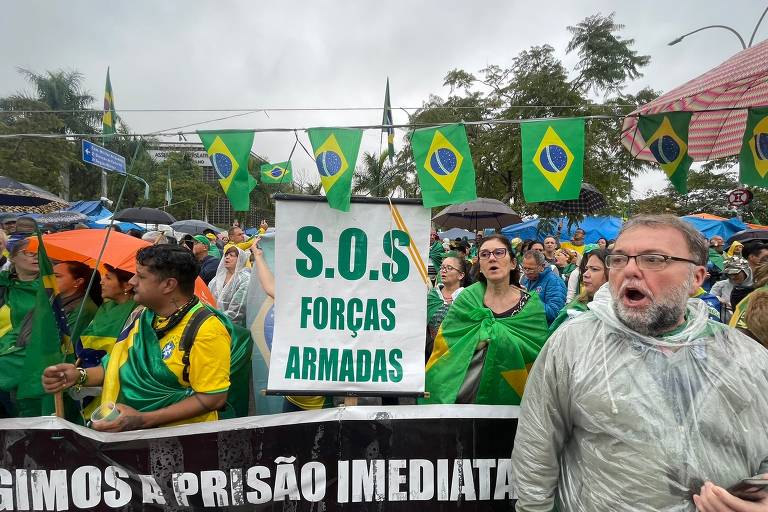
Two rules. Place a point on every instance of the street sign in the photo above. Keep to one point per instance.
(739, 197)
(101, 157)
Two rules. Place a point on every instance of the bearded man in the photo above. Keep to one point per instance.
(644, 403)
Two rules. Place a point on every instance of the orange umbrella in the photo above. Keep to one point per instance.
(85, 244)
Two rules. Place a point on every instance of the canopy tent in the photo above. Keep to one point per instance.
(595, 228)
(454, 233)
(712, 225)
(99, 216)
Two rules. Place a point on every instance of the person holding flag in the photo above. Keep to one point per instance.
(173, 365)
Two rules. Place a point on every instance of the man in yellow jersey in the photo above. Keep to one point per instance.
(171, 366)
(577, 244)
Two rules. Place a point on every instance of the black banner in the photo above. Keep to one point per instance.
(402, 458)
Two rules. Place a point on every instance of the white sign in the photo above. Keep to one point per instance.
(350, 298)
(200, 157)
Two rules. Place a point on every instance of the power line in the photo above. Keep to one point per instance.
(304, 129)
(306, 109)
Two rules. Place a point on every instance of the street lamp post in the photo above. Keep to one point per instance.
(744, 45)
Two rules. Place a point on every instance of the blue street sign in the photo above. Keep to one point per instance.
(104, 158)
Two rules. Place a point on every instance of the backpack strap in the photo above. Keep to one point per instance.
(189, 335)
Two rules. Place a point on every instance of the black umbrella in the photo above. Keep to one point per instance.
(194, 227)
(747, 235)
(590, 200)
(145, 216)
(25, 198)
(478, 214)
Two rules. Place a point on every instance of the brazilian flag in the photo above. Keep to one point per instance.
(666, 136)
(49, 331)
(553, 159)
(335, 152)
(444, 165)
(229, 151)
(109, 117)
(277, 173)
(753, 159)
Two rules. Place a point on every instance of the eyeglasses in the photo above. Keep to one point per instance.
(644, 261)
(448, 268)
(527, 270)
(29, 254)
(499, 253)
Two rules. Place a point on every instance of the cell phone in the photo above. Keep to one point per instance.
(749, 488)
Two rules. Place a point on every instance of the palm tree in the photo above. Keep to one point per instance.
(62, 91)
(378, 177)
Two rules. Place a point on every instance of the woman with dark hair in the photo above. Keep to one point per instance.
(454, 277)
(72, 278)
(594, 274)
(490, 337)
(18, 288)
(98, 338)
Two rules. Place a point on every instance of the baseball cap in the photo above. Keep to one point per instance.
(202, 239)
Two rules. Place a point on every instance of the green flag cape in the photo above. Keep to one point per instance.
(98, 338)
(666, 136)
(335, 152)
(574, 305)
(277, 173)
(553, 159)
(513, 344)
(136, 375)
(444, 165)
(229, 151)
(18, 301)
(753, 158)
(716, 258)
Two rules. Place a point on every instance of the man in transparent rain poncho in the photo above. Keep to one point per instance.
(642, 403)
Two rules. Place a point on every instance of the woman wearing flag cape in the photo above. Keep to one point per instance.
(490, 337)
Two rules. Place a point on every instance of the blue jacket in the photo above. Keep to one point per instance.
(551, 289)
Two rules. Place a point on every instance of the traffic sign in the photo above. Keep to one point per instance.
(739, 197)
(104, 158)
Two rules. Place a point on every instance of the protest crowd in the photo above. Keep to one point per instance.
(620, 353)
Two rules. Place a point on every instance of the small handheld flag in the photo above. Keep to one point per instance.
(229, 151)
(753, 158)
(335, 153)
(666, 136)
(444, 165)
(553, 159)
(277, 173)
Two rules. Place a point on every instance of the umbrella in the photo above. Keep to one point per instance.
(85, 244)
(747, 235)
(590, 200)
(478, 214)
(145, 215)
(194, 227)
(59, 218)
(727, 91)
(25, 198)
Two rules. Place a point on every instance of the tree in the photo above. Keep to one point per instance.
(377, 177)
(62, 91)
(537, 85)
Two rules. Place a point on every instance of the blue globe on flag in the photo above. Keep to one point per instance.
(269, 326)
(553, 158)
(443, 161)
(222, 164)
(761, 146)
(328, 163)
(276, 172)
(665, 149)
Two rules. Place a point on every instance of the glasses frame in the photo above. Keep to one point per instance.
(486, 254)
(448, 268)
(665, 257)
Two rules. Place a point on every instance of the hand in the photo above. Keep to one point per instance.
(129, 419)
(255, 249)
(717, 499)
(59, 377)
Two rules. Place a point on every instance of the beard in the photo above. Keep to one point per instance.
(661, 315)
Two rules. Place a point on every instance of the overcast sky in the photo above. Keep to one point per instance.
(257, 54)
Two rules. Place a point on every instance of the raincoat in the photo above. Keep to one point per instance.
(231, 296)
(616, 421)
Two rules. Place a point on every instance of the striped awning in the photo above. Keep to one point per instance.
(727, 91)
